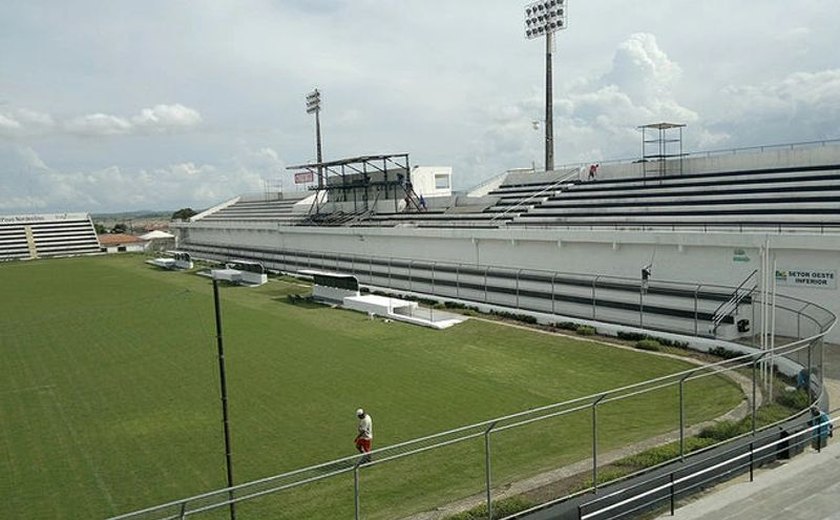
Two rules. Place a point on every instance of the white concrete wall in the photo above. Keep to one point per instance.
(332, 294)
(696, 257)
(423, 180)
(129, 248)
(742, 159)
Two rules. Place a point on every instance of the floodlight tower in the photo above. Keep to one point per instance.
(544, 18)
(313, 106)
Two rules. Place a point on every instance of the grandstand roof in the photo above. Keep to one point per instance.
(113, 239)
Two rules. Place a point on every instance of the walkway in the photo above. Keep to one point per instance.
(805, 488)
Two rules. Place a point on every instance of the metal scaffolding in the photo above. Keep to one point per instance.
(363, 181)
(662, 149)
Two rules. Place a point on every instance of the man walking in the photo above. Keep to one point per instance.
(365, 434)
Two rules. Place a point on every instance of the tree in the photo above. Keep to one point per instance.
(99, 228)
(119, 228)
(184, 214)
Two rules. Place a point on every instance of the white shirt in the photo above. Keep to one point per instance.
(366, 427)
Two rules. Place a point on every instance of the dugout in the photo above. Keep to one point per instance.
(332, 287)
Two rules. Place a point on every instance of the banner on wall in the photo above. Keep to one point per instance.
(812, 278)
(304, 177)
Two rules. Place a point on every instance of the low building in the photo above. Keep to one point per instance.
(122, 243)
(159, 240)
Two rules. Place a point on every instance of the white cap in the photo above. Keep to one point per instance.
(359, 412)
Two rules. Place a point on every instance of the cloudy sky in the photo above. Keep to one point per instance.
(163, 104)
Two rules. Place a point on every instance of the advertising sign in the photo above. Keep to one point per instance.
(814, 278)
(304, 177)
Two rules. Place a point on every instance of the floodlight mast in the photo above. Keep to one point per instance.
(313, 106)
(544, 18)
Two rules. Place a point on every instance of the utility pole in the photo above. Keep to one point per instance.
(223, 383)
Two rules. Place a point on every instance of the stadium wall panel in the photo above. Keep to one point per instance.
(715, 258)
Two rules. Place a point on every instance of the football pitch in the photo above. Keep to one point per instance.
(109, 400)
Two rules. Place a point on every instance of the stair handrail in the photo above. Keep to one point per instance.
(731, 305)
(521, 203)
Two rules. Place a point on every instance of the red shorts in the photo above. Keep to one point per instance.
(363, 445)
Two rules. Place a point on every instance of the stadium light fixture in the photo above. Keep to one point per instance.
(544, 18)
(313, 106)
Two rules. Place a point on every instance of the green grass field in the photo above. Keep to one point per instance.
(109, 399)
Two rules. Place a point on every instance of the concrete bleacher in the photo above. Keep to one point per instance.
(279, 210)
(806, 196)
(34, 236)
(473, 216)
(498, 207)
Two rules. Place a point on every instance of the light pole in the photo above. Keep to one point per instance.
(544, 18)
(313, 106)
(223, 385)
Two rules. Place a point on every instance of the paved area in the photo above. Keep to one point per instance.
(805, 488)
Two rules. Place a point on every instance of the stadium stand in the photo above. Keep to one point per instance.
(280, 210)
(806, 195)
(723, 216)
(496, 208)
(34, 236)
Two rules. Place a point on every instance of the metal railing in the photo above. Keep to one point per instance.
(551, 188)
(719, 152)
(670, 306)
(730, 306)
(668, 487)
(801, 353)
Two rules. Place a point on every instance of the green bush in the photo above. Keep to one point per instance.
(724, 353)
(672, 343)
(566, 325)
(797, 399)
(663, 342)
(501, 509)
(631, 336)
(454, 305)
(586, 330)
(661, 454)
(772, 413)
(525, 318)
(604, 475)
(648, 344)
(725, 430)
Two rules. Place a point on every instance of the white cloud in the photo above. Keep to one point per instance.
(801, 104)
(593, 116)
(643, 70)
(8, 125)
(158, 119)
(21, 122)
(34, 119)
(165, 117)
(97, 125)
(28, 183)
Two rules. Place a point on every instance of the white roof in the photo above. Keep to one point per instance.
(316, 272)
(156, 234)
